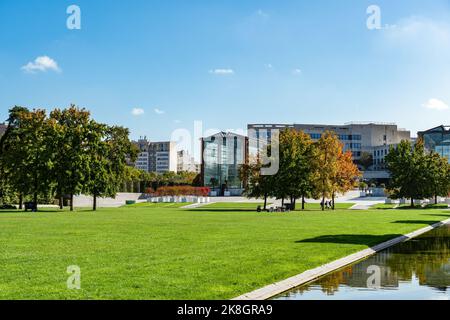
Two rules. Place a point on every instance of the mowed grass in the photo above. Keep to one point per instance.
(158, 205)
(316, 206)
(145, 252)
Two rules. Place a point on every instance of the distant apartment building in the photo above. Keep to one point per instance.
(187, 163)
(437, 140)
(222, 156)
(3, 127)
(373, 139)
(156, 157)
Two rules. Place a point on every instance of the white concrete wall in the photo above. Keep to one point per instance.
(88, 201)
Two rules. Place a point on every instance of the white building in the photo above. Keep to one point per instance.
(373, 139)
(156, 157)
(186, 162)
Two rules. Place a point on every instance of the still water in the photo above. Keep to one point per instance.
(414, 270)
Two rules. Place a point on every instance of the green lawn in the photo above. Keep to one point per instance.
(158, 205)
(384, 206)
(146, 252)
(316, 206)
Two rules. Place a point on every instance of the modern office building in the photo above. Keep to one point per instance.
(437, 140)
(222, 156)
(156, 157)
(371, 138)
(162, 157)
(142, 161)
(186, 162)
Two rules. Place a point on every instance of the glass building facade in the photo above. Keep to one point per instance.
(223, 154)
(437, 140)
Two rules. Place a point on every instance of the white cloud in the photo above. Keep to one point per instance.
(43, 64)
(158, 111)
(137, 112)
(222, 71)
(419, 32)
(297, 71)
(436, 104)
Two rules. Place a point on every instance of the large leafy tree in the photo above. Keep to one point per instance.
(408, 167)
(328, 150)
(9, 156)
(99, 180)
(295, 176)
(108, 149)
(27, 154)
(346, 175)
(438, 175)
(71, 169)
(256, 184)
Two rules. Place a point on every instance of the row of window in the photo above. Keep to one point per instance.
(353, 146)
(342, 137)
(380, 153)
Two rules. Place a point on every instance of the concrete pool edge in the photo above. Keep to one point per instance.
(276, 288)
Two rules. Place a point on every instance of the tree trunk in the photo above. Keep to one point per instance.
(35, 200)
(435, 199)
(332, 200)
(95, 202)
(323, 203)
(20, 201)
(303, 202)
(71, 202)
(61, 201)
(282, 202)
(265, 201)
(412, 202)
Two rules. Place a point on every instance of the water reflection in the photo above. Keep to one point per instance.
(416, 269)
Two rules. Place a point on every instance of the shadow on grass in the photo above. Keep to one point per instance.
(416, 222)
(432, 207)
(222, 210)
(364, 239)
(47, 211)
(437, 215)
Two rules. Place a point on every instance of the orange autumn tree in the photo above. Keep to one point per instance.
(327, 150)
(346, 175)
(336, 173)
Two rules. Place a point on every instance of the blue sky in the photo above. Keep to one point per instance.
(229, 63)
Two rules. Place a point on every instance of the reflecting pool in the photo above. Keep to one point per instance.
(413, 270)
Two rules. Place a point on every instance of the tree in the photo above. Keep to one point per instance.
(112, 156)
(27, 154)
(327, 154)
(408, 168)
(346, 175)
(7, 190)
(295, 176)
(365, 161)
(99, 181)
(72, 165)
(257, 185)
(438, 175)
